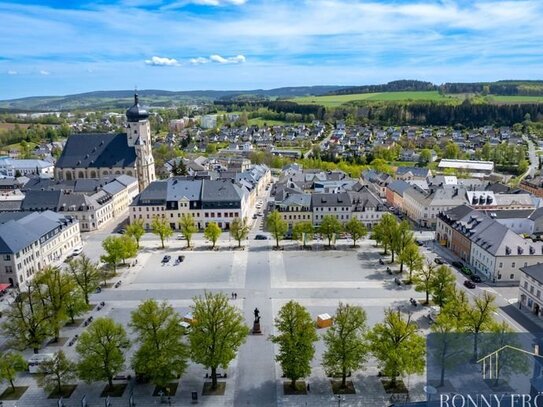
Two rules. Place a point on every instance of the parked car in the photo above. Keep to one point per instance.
(180, 258)
(457, 264)
(419, 242)
(475, 278)
(77, 251)
(166, 259)
(254, 216)
(469, 284)
(180, 237)
(439, 260)
(261, 237)
(466, 271)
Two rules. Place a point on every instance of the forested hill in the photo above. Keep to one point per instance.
(501, 88)
(394, 86)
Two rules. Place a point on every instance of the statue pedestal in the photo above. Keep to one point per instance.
(256, 328)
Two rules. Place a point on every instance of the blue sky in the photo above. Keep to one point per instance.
(59, 47)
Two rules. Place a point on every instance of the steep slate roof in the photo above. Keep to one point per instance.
(181, 188)
(18, 233)
(302, 199)
(40, 200)
(535, 271)
(329, 199)
(220, 191)
(93, 150)
(415, 171)
(154, 194)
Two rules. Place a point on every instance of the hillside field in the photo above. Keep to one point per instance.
(338, 100)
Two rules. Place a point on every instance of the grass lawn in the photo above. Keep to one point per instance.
(337, 100)
(65, 392)
(10, 394)
(261, 122)
(517, 99)
(219, 391)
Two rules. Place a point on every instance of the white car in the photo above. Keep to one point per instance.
(77, 251)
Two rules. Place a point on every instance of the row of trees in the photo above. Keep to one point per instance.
(162, 352)
(395, 343)
(53, 298)
(330, 227)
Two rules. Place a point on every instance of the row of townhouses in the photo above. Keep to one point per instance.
(488, 243)
(32, 241)
(93, 202)
(311, 194)
(219, 200)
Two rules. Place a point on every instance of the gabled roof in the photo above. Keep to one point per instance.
(220, 191)
(330, 199)
(181, 188)
(535, 271)
(398, 186)
(95, 150)
(415, 171)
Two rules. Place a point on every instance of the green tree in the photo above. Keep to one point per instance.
(100, 351)
(277, 226)
(162, 353)
(412, 258)
(451, 150)
(10, 364)
(55, 288)
(239, 230)
(86, 275)
(397, 346)
(442, 285)
(508, 361)
(217, 332)
(345, 341)
(523, 166)
(330, 227)
(136, 231)
(212, 232)
(402, 236)
(129, 247)
(75, 303)
(113, 246)
(303, 231)
(425, 157)
(188, 227)
(447, 344)
(355, 229)
(423, 280)
(382, 232)
(27, 323)
(56, 372)
(162, 229)
(296, 337)
(480, 318)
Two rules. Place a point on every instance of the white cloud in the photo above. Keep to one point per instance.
(44, 72)
(229, 60)
(215, 3)
(11, 72)
(162, 61)
(199, 61)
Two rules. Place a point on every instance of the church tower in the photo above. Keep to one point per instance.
(139, 137)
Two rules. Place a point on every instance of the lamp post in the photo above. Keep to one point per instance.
(339, 399)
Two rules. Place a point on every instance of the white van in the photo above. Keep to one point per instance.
(35, 361)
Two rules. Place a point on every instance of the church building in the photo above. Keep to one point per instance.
(99, 155)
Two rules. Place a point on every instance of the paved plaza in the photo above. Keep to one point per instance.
(264, 278)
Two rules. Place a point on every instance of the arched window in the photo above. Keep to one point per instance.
(93, 174)
(68, 175)
(81, 174)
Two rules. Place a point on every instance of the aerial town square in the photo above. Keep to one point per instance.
(309, 230)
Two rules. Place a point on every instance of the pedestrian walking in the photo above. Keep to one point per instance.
(235, 296)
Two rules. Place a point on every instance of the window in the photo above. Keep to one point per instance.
(501, 264)
(9, 269)
(512, 276)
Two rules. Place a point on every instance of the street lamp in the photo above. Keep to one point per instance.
(339, 399)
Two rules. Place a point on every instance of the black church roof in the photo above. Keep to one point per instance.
(95, 150)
